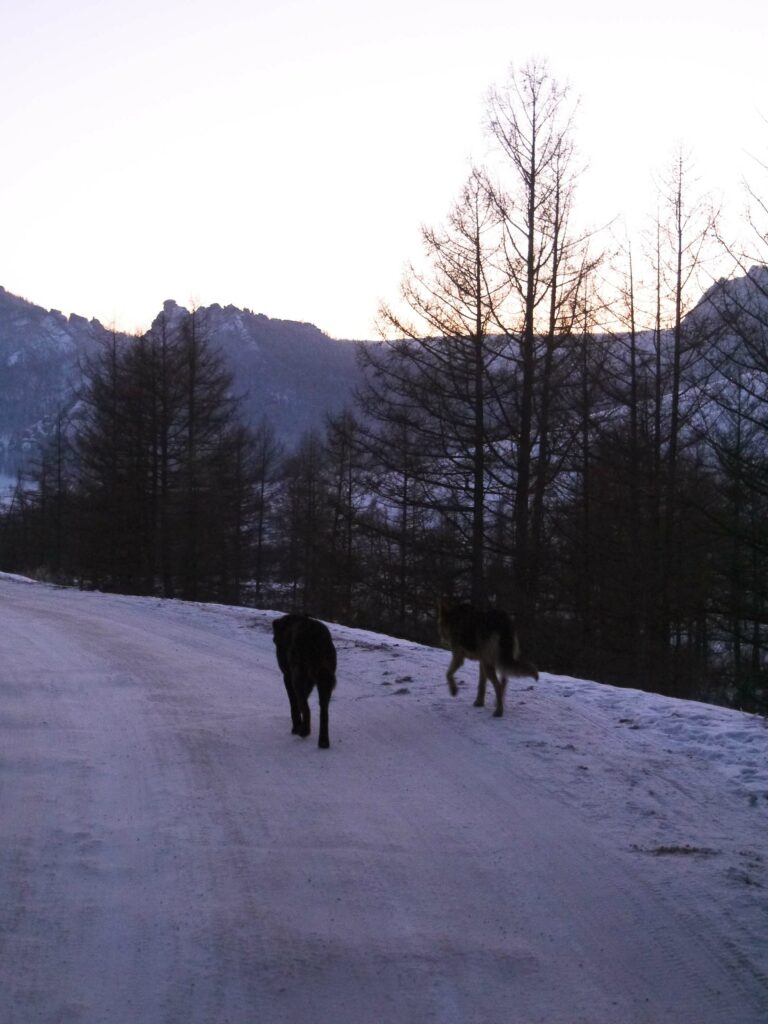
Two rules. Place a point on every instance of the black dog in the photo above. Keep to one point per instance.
(307, 658)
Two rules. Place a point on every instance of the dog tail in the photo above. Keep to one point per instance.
(522, 669)
(509, 653)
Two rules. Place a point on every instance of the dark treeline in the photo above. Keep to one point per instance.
(593, 458)
(148, 488)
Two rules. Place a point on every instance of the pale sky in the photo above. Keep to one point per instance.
(283, 155)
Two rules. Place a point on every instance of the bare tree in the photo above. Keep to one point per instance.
(544, 260)
(430, 378)
(267, 456)
(684, 231)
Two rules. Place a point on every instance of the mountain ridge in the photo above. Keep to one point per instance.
(288, 372)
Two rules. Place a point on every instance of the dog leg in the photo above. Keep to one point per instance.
(480, 698)
(295, 712)
(499, 688)
(305, 713)
(456, 662)
(323, 741)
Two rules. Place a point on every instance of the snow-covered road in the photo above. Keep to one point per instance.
(171, 853)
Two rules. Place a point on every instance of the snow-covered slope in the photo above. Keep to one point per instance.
(170, 853)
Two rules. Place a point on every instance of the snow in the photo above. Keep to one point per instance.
(12, 577)
(171, 853)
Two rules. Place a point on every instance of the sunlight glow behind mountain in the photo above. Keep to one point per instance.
(283, 157)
